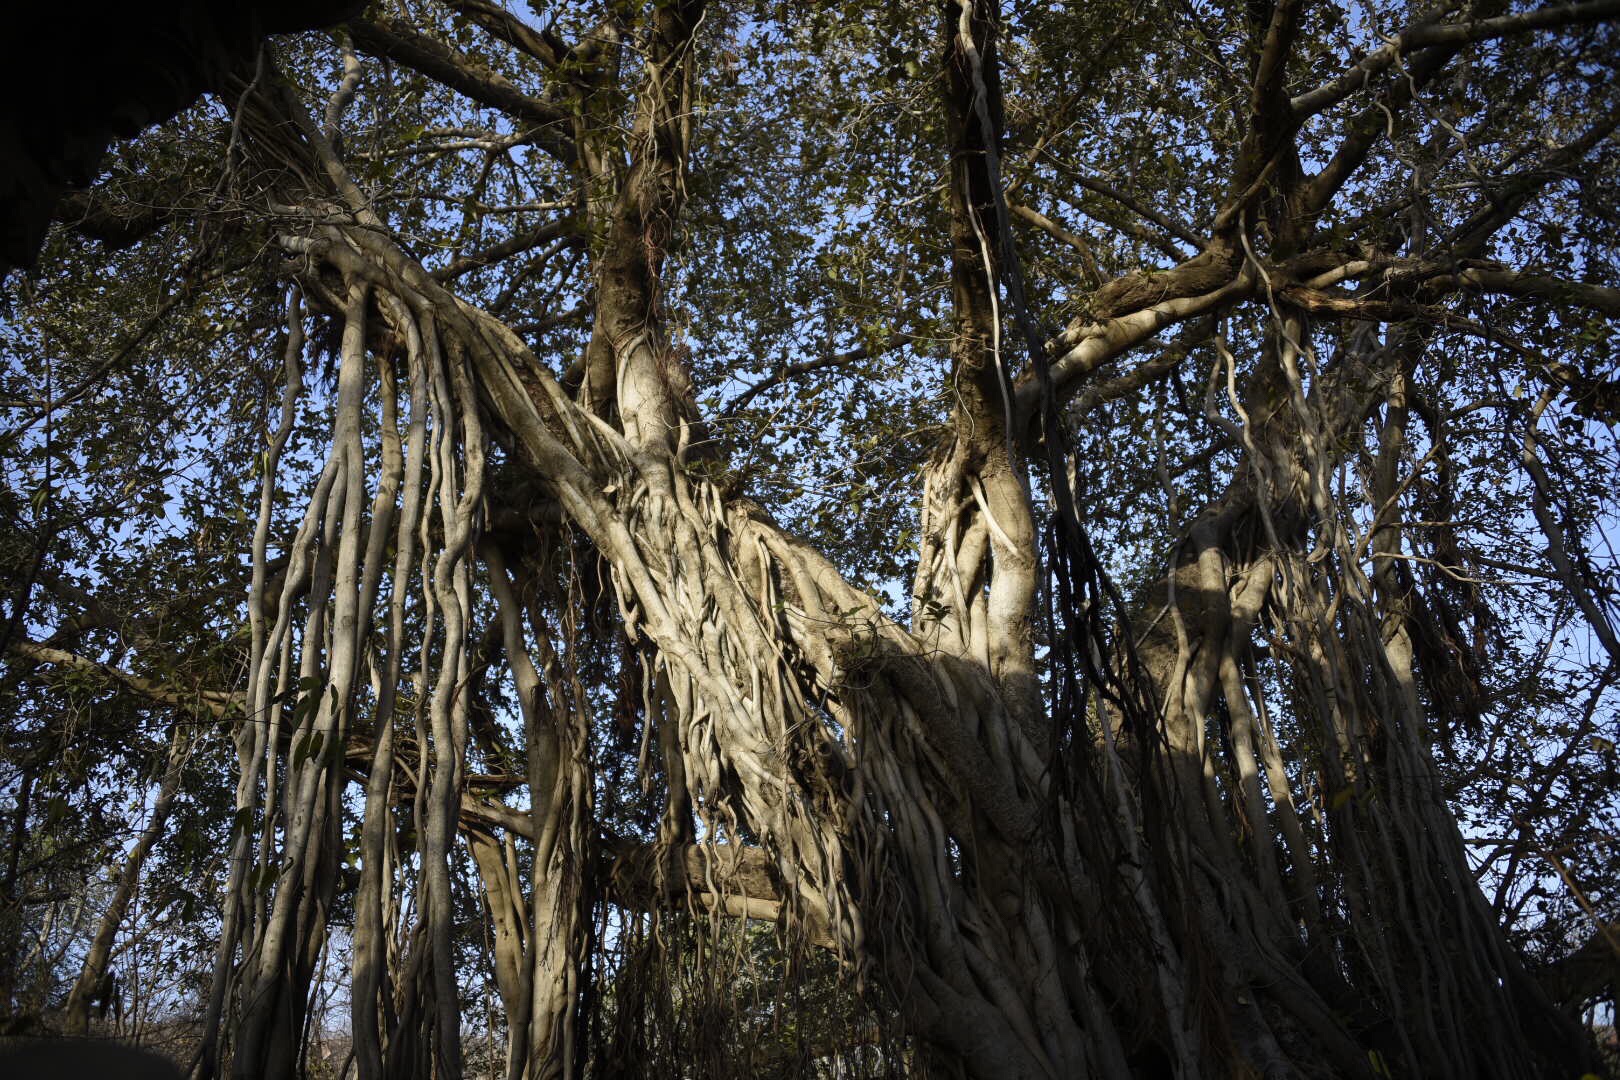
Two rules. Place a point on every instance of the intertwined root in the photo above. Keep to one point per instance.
(1125, 912)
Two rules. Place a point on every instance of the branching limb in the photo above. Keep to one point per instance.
(394, 40)
(789, 372)
(216, 703)
(516, 244)
(1430, 32)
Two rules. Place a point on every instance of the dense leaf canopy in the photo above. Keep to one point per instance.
(739, 537)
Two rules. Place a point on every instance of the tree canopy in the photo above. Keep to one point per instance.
(738, 538)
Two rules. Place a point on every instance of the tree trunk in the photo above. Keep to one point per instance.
(76, 1020)
(1122, 882)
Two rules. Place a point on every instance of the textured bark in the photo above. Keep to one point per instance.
(1113, 877)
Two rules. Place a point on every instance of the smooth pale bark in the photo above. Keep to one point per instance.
(372, 993)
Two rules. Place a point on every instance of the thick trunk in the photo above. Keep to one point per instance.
(1126, 883)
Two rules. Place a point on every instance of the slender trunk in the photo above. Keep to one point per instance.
(371, 989)
(11, 922)
(76, 1020)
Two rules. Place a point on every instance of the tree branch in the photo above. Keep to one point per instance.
(806, 367)
(1371, 124)
(1178, 229)
(1501, 282)
(1169, 358)
(391, 39)
(1082, 348)
(539, 44)
(1470, 238)
(512, 245)
(215, 702)
(1088, 258)
(1424, 34)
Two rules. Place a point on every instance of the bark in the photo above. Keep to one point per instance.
(1128, 881)
(76, 1018)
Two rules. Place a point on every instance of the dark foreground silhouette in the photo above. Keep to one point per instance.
(69, 1059)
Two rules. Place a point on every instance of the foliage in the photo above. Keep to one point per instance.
(1221, 682)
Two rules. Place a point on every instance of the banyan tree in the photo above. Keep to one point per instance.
(898, 539)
